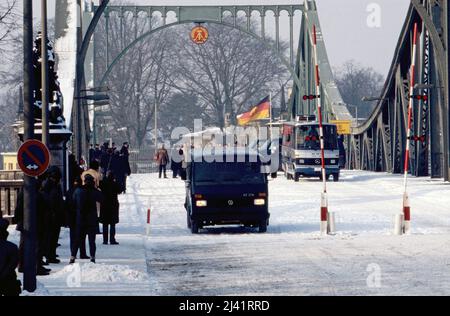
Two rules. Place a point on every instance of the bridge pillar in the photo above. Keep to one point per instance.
(446, 116)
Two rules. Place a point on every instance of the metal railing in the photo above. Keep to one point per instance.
(10, 184)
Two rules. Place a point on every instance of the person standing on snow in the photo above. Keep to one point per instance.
(125, 154)
(162, 158)
(53, 202)
(109, 211)
(75, 238)
(85, 201)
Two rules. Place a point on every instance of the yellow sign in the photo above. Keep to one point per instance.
(199, 35)
(343, 127)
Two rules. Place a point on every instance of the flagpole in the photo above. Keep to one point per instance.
(270, 109)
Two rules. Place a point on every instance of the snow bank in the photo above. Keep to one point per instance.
(101, 273)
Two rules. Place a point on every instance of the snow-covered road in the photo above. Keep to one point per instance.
(363, 258)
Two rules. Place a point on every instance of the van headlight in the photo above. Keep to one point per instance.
(201, 203)
(260, 202)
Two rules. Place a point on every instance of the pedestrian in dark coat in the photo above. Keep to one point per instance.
(109, 210)
(175, 163)
(91, 153)
(124, 152)
(105, 161)
(75, 170)
(53, 203)
(85, 201)
(75, 238)
(97, 153)
(41, 230)
(118, 168)
(9, 258)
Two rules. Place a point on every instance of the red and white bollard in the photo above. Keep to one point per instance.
(324, 228)
(148, 221)
(406, 214)
(324, 223)
(406, 205)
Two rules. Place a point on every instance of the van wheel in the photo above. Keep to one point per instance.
(336, 177)
(263, 226)
(297, 177)
(194, 227)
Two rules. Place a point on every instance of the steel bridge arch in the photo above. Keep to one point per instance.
(142, 37)
(382, 135)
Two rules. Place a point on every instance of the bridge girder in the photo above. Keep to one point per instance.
(429, 157)
(302, 76)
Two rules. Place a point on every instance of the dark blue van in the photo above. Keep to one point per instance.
(226, 190)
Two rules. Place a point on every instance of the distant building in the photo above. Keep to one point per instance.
(9, 161)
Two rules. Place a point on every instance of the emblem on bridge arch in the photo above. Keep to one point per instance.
(199, 35)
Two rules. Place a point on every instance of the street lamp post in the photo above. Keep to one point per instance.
(156, 127)
(98, 100)
(44, 66)
(29, 186)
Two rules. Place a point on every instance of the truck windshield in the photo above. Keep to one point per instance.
(308, 137)
(229, 172)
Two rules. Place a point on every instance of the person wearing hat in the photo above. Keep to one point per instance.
(9, 258)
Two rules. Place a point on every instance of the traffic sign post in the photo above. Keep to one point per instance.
(33, 158)
(29, 184)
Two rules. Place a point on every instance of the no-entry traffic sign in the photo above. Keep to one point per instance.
(33, 158)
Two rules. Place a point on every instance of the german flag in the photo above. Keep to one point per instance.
(259, 112)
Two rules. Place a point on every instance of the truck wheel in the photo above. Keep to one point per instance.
(297, 177)
(194, 227)
(263, 226)
(336, 177)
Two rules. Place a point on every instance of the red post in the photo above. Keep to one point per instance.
(324, 199)
(406, 205)
(148, 216)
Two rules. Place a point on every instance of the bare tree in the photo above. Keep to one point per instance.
(8, 19)
(9, 102)
(10, 41)
(355, 82)
(229, 73)
(183, 80)
(140, 80)
(11, 73)
(180, 111)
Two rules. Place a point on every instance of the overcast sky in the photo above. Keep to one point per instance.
(344, 24)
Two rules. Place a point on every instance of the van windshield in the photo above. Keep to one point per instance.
(229, 172)
(308, 137)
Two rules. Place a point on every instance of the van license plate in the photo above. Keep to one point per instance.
(317, 169)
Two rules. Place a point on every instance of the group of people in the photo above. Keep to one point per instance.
(92, 199)
(109, 157)
(176, 159)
